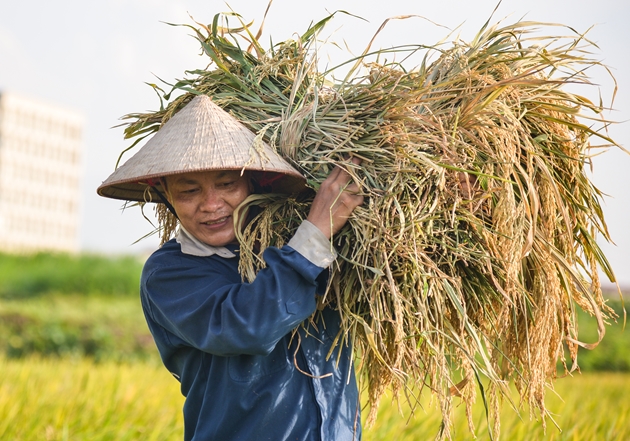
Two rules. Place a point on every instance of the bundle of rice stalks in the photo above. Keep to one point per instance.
(443, 287)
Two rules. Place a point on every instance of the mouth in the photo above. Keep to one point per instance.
(219, 221)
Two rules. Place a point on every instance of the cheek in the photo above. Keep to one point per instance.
(240, 195)
(184, 208)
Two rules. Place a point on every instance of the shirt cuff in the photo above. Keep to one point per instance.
(311, 243)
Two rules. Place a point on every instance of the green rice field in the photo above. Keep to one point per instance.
(77, 363)
(77, 399)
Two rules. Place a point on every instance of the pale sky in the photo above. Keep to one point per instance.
(94, 57)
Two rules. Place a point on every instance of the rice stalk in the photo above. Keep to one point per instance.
(439, 290)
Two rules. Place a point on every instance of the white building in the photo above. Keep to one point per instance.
(40, 173)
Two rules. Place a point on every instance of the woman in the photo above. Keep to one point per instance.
(251, 367)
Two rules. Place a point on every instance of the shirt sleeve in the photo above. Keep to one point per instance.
(311, 243)
(201, 302)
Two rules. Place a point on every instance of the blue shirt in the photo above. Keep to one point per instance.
(244, 373)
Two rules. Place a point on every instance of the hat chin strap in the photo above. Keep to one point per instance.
(165, 201)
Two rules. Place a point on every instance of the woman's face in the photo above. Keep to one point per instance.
(205, 203)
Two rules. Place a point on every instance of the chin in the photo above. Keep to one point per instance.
(216, 239)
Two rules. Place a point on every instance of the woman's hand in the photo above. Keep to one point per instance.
(335, 200)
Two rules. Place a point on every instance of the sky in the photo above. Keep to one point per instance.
(95, 58)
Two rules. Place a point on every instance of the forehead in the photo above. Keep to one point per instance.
(209, 176)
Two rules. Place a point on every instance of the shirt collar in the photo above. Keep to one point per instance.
(193, 246)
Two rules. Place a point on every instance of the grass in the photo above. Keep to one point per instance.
(112, 327)
(586, 407)
(98, 326)
(65, 399)
(47, 399)
(32, 275)
(50, 391)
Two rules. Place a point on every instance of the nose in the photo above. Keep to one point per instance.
(212, 201)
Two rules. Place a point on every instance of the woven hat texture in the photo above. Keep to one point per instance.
(201, 136)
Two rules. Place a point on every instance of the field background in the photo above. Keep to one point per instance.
(78, 363)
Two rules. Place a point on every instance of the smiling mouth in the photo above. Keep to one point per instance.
(217, 221)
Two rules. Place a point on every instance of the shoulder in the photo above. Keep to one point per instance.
(168, 254)
(170, 262)
(169, 257)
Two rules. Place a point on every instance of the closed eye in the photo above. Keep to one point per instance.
(189, 190)
(225, 184)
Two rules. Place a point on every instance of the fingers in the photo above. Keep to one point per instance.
(335, 200)
(340, 181)
(340, 174)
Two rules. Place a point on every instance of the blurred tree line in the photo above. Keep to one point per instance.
(60, 305)
(24, 276)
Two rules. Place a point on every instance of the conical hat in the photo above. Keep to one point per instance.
(200, 137)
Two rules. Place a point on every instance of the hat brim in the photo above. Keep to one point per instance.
(200, 137)
(143, 191)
